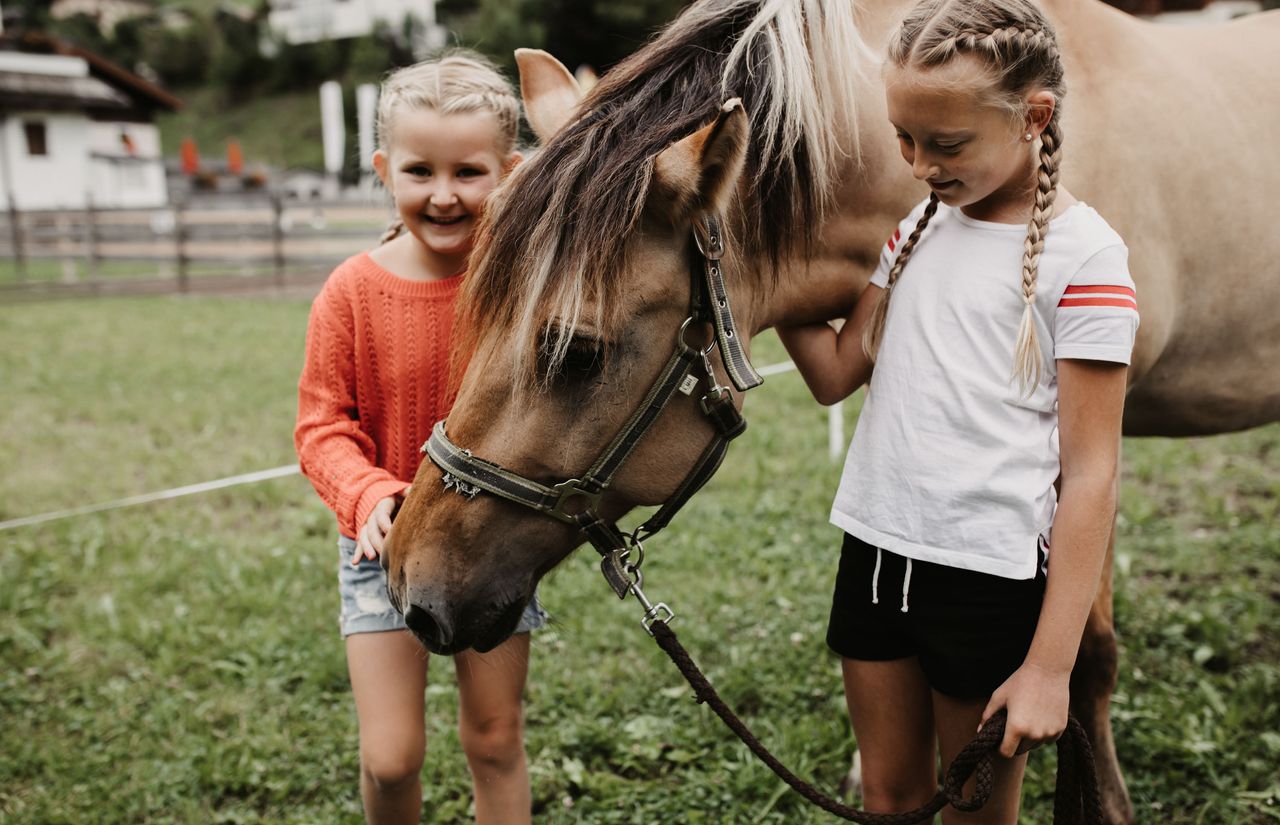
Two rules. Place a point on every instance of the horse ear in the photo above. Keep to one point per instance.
(701, 170)
(550, 93)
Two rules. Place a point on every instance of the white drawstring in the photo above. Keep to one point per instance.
(906, 585)
(875, 580)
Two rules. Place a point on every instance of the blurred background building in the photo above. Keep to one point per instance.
(77, 130)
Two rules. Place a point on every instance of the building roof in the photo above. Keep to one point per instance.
(108, 86)
(22, 90)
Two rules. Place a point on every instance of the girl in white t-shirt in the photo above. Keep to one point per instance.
(987, 388)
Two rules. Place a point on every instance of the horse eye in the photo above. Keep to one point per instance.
(583, 359)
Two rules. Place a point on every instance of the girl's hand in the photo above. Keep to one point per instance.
(1037, 700)
(374, 533)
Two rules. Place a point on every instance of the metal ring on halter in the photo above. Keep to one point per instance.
(639, 550)
(639, 534)
(680, 339)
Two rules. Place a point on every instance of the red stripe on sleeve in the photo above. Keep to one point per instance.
(1124, 303)
(893, 242)
(1118, 290)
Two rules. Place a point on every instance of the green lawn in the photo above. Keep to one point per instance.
(179, 662)
(72, 270)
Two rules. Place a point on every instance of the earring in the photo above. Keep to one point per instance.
(1027, 136)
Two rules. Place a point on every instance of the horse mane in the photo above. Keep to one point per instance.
(556, 234)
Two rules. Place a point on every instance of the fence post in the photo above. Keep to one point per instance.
(11, 196)
(91, 239)
(180, 238)
(15, 226)
(277, 237)
(835, 430)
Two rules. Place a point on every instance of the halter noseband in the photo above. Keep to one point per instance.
(575, 500)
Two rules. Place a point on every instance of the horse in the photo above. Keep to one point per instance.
(770, 114)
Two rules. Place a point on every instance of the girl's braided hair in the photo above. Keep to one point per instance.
(458, 82)
(1018, 43)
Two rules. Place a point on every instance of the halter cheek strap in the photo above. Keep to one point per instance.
(575, 501)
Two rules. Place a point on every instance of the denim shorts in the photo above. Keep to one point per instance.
(367, 609)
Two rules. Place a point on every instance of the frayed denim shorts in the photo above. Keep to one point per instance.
(367, 609)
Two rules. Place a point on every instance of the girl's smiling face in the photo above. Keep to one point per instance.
(440, 168)
(963, 140)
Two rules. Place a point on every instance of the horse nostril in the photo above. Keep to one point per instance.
(431, 630)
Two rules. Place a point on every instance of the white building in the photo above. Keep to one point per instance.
(77, 130)
(107, 13)
(307, 21)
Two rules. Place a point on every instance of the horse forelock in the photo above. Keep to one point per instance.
(556, 235)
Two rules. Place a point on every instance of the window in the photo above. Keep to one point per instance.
(37, 142)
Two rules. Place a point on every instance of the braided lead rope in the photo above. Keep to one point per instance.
(1077, 800)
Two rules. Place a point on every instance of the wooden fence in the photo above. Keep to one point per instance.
(206, 245)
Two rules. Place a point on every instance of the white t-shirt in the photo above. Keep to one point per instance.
(949, 463)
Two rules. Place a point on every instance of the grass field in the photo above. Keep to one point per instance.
(179, 662)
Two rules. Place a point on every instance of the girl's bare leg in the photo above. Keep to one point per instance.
(957, 721)
(891, 708)
(388, 677)
(491, 726)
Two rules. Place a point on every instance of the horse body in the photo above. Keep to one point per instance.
(1164, 135)
(1160, 130)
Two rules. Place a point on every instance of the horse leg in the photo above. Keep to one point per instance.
(1092, 682)
(851, 785)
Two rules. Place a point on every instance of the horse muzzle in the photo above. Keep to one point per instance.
(445, 629)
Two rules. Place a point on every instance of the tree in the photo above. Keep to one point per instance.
(598, 33)
(179, 55)
(237, 62)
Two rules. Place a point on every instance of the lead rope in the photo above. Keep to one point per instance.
(1076, 797)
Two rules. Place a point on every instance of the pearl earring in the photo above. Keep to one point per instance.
(1027, 136)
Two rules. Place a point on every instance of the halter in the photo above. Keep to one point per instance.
(575, 501)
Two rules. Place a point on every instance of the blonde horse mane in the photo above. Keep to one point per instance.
(555, 236)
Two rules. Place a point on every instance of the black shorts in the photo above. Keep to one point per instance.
(970, 630)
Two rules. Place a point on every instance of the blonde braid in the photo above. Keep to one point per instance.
(457, 83)
(393, 231)
(874, 332)
(1002, 45)
(1026, 355)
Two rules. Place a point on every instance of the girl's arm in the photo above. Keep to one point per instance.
(832, 362)
(335, 453)
(1090, 405)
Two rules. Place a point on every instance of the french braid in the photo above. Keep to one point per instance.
(1026, 354)
(874, 331)
(1019, 45)
(459, 82)
(393, 231)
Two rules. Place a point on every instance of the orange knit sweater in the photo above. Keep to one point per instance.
(375, 381)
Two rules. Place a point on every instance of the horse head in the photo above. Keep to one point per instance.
(563, 350)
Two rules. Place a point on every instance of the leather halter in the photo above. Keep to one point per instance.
(574, 501)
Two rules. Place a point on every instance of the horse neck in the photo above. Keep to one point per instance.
(873, 192)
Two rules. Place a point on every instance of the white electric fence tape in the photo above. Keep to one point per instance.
(835, 429)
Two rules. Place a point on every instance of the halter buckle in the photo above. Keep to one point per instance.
(716, 395)
(566, 492)
(709, 236)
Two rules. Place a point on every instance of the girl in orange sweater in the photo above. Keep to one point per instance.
(374, 382)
